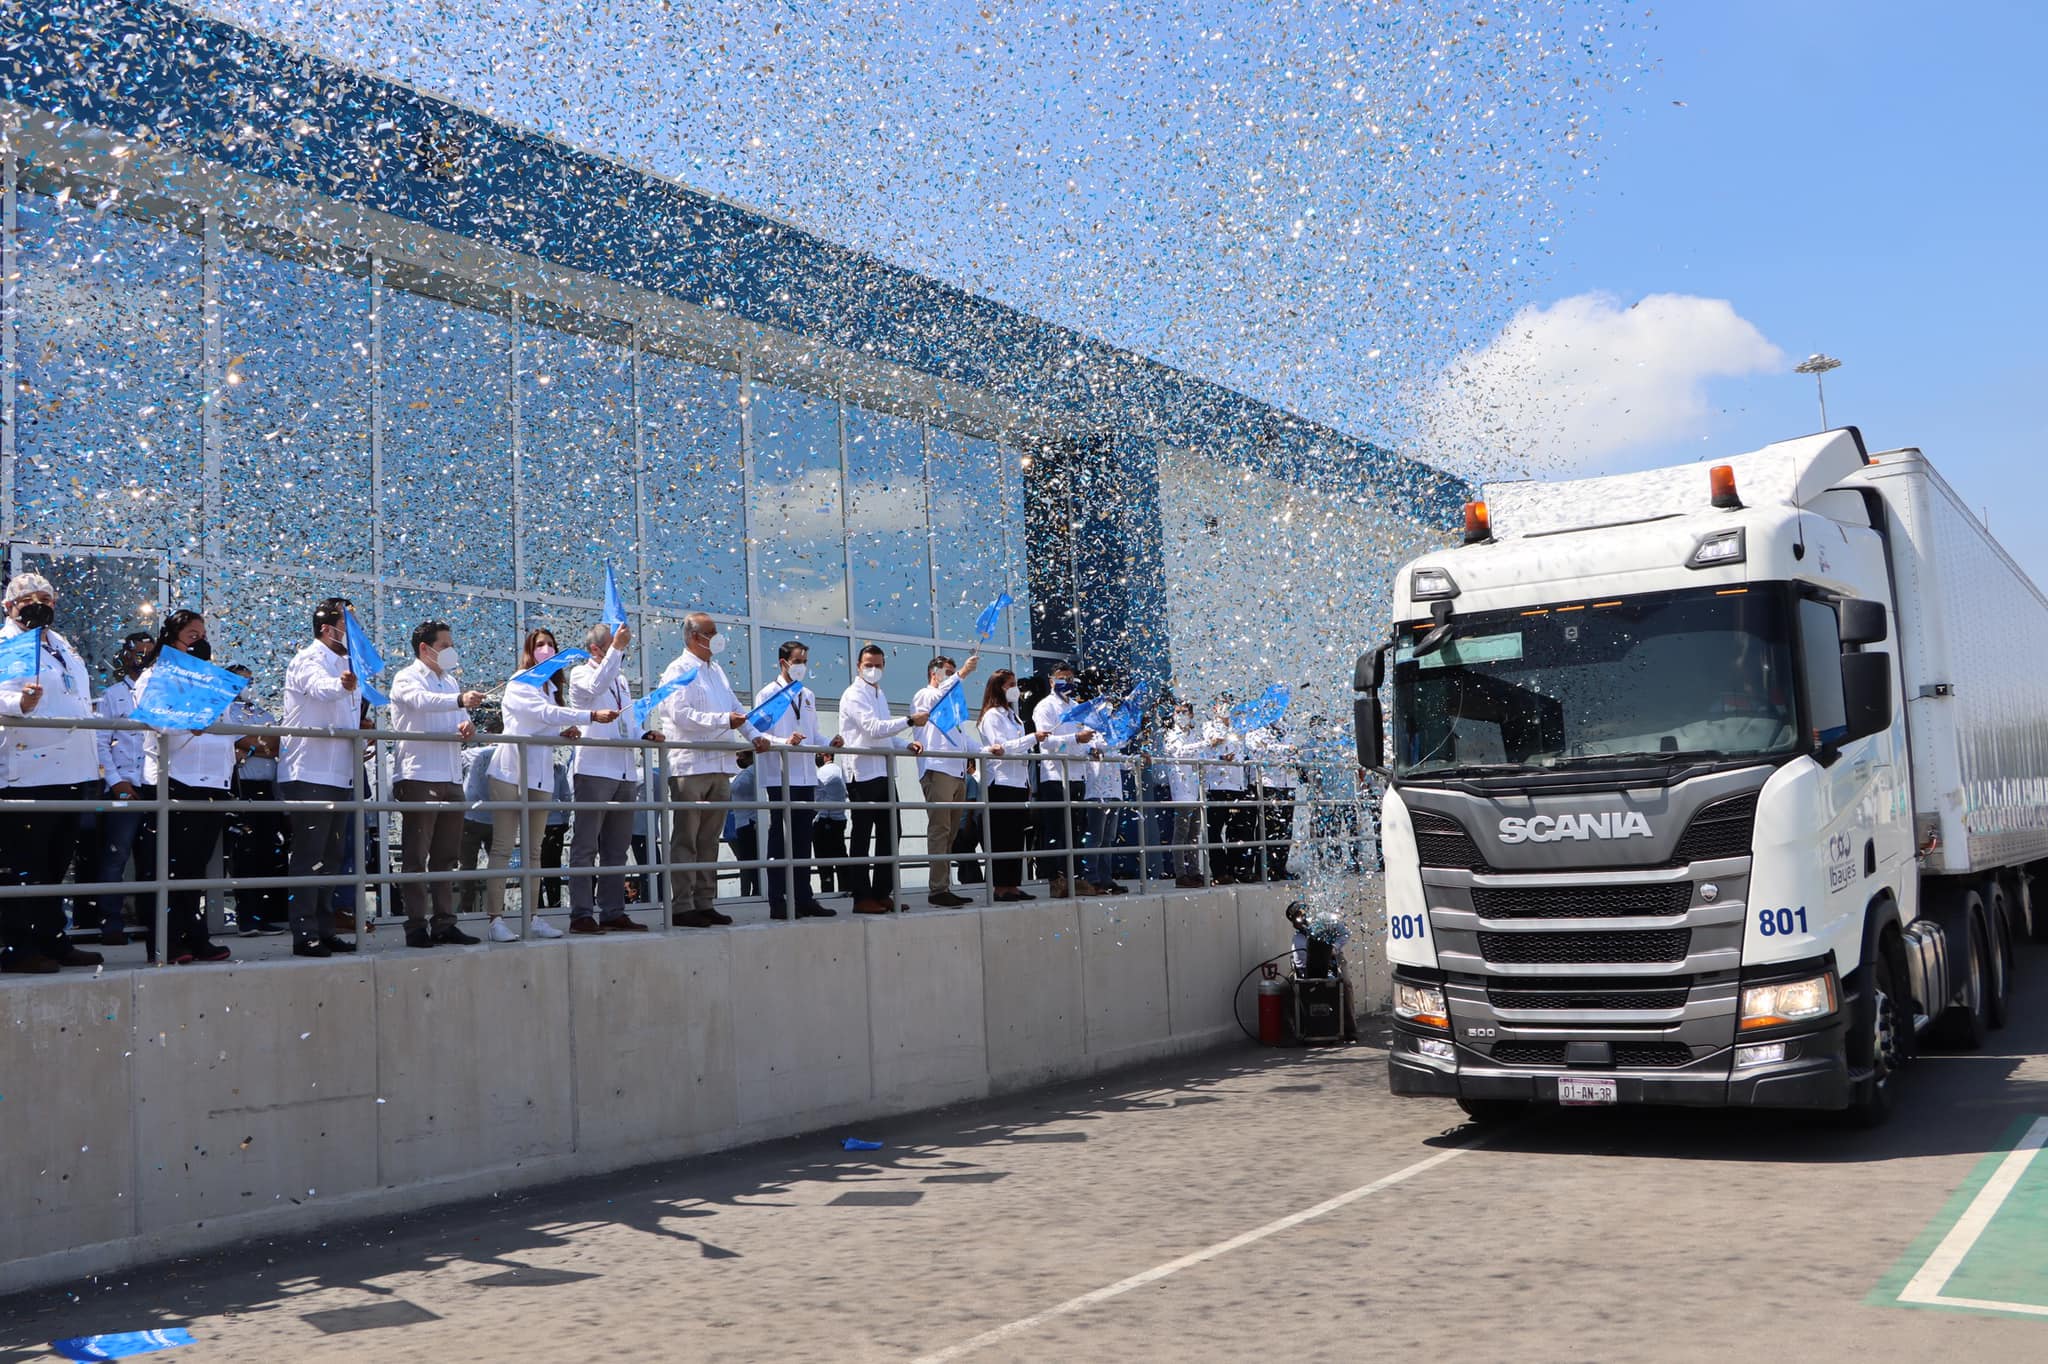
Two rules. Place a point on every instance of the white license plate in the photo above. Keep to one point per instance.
(1581, 1092)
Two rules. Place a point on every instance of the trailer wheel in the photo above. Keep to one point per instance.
(1493, 1112)
(1964, 1024)
(1998, 1005)
(1877, 1038)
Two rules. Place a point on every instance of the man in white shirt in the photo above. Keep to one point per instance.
(254, 845)
(1062, 786)
(319, 693)
(1275, 777)
(865, 722)
(600, 838)
(704, 711)
(37, 765)
(1184, 789)
(788, 781)
(121, 777)
(426, 699)
(1231, 818)
(942, 776)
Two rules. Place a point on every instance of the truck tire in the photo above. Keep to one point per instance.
(1877, 1041)
(1998, 996)
(1494, 1112)
(1963, 1025)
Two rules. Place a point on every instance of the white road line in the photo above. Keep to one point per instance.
(1927, 1282)
(1158, 1272)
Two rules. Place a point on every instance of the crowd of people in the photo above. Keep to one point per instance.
(1055, 789)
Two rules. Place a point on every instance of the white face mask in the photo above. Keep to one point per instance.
(1012, 695)
(799, 671)
(717, 645)
(447, 660)
(871, 676)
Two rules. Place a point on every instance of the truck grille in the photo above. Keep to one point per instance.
(1629, 1055)
(1723, 829)
(1592, 996)
(1649, 944)
(1441, 841)
(1581, 902)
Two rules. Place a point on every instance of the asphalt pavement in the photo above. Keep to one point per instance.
(1227, 1206)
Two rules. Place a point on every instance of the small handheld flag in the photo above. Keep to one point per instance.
(774, 706)
(985, 623)
(949, 712)
(363, 658)
(614, 604)
(644, 707)
(541, 672)
(1261, 711)
(20, 656)
(183, 692)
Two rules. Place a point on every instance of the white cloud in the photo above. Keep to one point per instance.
(1566, 385)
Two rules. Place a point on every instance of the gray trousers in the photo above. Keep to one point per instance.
(600, 838)
(694, 838)
(317, 834)
(429, 840)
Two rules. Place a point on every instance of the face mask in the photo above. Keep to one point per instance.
(200, 649)
(1012, 695)
(799, 671)
(543, 652)
(448, 660)
(1186, 719)
(1063, 686)
(35, 614)
(717, 645)
(871, 676)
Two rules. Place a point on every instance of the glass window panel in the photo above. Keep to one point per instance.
(830, 672)
(101, 599)
(665, 641)
(885, 513)
(482, 626)
(575, 460)
(261, 618)
(447, 441)
(294, 410)
(1014, 473)
(799, 549)
(107, 313)
(968, 515)
(690, 424)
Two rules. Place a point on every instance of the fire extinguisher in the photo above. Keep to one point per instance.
(1272, 1007)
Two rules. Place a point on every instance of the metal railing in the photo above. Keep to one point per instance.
(1246, 833)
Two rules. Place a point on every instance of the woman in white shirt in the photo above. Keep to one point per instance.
(535, 710)
(200, 768)
(1009, 783)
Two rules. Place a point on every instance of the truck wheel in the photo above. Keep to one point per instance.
(1963, 1025)
(1998, 1005)
(1876, 1041)
(1493, 1112)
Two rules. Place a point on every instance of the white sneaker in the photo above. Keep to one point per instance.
(541, 928)
(503, 932)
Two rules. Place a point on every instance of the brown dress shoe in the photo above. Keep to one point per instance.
(1087, 888)
(584, 923)
(622, 924)
(871, 907)
(1057, 887)
(696, 918)
(946, 899)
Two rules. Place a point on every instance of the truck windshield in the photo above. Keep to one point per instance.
(1698, 673)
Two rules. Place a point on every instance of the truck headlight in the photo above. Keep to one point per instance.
(1422, 1004)
(1787, 1001)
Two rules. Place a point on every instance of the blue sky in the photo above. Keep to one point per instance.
(1868, 179)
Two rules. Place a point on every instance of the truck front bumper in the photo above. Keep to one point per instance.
(1814, 1074)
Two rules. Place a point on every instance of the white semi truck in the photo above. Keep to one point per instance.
(1709, 786)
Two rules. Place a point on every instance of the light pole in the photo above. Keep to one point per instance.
(1817, 365)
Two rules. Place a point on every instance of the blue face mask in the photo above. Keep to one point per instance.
(1063, 686)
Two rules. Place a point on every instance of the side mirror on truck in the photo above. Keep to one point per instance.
(1367, 721)
(1866, 691)
(1862, 621)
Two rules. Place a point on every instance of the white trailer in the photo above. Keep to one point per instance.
(1708, 786)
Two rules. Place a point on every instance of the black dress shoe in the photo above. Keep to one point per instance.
(28, 964)
(418, 937)
(816, 911)
(308, 948)
(334, 944)
(67, 955)
(450, 935)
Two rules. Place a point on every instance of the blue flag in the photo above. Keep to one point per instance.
(122, 1344)
(1261, 711)
(985, 623)
(1092, 715)
(614, 605)
(1124, 722)
(774, 707)
(541, 672)
(644, 707)
(371, 694)
(949, 712)
(184, 692)
(19, 655)
(363, 658)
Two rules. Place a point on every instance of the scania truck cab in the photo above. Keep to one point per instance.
(1716, 785)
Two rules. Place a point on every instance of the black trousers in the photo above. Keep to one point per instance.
(1279, 831)
(195, 836)
(828, 839)
(1233, 824)
(1060, 827)
(872, 832)
(36, 848)
(256, 847)
(793, 854)
(1009, 814)
(746, 847)
(552, 837)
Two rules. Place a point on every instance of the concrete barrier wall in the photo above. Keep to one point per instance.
(159, 1113)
